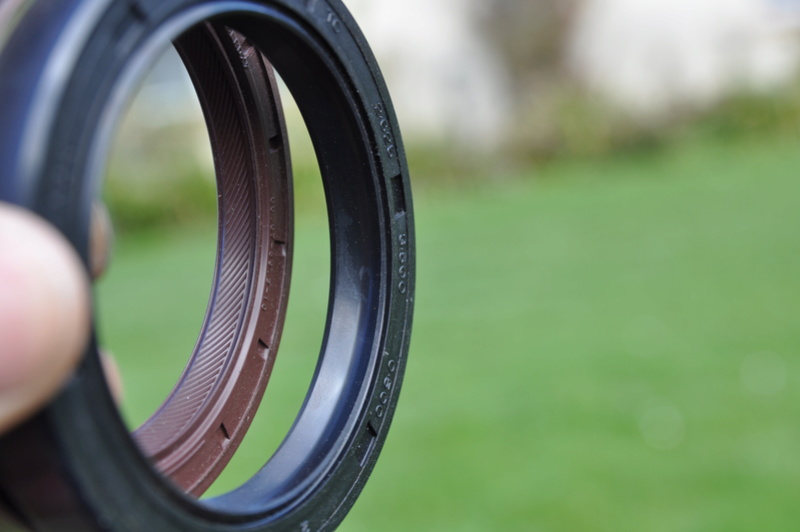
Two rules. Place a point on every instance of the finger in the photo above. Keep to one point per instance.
(44, 313)
(113, 376)
(101, 239)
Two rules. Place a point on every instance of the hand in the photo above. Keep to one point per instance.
(44, 313)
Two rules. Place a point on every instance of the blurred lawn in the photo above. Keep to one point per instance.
(604, 346)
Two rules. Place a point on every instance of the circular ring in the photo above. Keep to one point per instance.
(75, 467)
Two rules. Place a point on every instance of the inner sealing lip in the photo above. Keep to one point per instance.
(194, 433)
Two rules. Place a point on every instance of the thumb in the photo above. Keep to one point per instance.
(44, 313)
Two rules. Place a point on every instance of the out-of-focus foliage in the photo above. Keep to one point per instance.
(558, 116)
(158, 175)
(554, 116)
(529, 36)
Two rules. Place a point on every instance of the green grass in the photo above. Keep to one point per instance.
(602, 346)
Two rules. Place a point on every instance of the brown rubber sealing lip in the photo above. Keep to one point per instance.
(193, 435)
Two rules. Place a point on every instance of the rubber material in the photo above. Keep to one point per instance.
(67, 67)
(200, 425)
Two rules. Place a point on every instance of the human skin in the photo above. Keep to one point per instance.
(44, 313)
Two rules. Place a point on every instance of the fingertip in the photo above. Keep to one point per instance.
(44, 313)
(113, 376)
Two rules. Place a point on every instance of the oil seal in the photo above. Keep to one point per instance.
(67, 69)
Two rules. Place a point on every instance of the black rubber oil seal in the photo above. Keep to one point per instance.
(67, 70)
